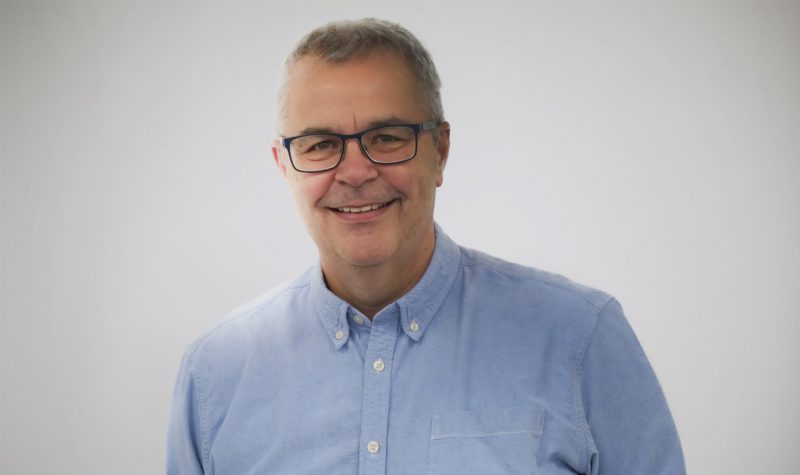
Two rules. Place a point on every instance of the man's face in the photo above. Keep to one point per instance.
(346, 98)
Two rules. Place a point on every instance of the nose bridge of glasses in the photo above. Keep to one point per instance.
(359, 144)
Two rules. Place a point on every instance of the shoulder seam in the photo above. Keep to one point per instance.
(577, 381)
(240, 313)
(204, 415)
(581, 295)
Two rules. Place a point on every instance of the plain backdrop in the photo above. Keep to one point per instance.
(648, 149)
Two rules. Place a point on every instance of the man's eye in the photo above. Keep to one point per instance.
(383, 138)
(321, 146)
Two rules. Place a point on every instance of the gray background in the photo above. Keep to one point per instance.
(648, 149)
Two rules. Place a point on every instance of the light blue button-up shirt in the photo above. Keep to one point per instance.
(484, 367)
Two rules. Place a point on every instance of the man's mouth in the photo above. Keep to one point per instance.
(363, 209)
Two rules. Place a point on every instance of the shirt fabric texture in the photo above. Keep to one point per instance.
(484, 367)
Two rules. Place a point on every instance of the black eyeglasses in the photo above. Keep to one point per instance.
(386, 145)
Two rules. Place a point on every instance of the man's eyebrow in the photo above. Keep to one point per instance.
(316, 130)
(382, 122)
(391, 120)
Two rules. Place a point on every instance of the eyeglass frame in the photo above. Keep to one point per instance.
(417, 128)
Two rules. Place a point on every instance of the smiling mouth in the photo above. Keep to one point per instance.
(363, 209)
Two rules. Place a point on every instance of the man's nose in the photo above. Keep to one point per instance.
(355, 168)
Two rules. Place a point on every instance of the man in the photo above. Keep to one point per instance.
(401, 352)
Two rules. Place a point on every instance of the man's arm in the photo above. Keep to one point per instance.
(184, 435)
(624, 406)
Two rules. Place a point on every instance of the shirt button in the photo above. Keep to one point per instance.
(358, 319)
(373, 447)
(378, 366)
(339, 334)
(414, 326)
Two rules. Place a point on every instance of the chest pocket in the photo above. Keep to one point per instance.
(495, 441)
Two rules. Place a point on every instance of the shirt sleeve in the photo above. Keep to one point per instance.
(184, 433)
(627, 414)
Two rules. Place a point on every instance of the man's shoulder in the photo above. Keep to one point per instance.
(539, 284)
(283, 293)
(254, 317)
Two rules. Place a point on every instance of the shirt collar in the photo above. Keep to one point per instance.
(418, 307)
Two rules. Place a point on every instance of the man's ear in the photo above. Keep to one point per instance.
(443, 148)
(276, 155)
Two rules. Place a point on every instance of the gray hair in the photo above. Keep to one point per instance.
(340, 41)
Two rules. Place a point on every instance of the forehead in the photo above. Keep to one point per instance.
(344, 96)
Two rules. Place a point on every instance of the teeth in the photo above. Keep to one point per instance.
(361, 209)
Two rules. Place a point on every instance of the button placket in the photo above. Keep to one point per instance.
(376, 392)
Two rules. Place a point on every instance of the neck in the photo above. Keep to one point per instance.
(369, 289)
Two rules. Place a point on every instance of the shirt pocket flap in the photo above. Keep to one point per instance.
(488, 422)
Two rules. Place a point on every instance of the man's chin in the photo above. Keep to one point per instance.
(363, 256)
(365, 260)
